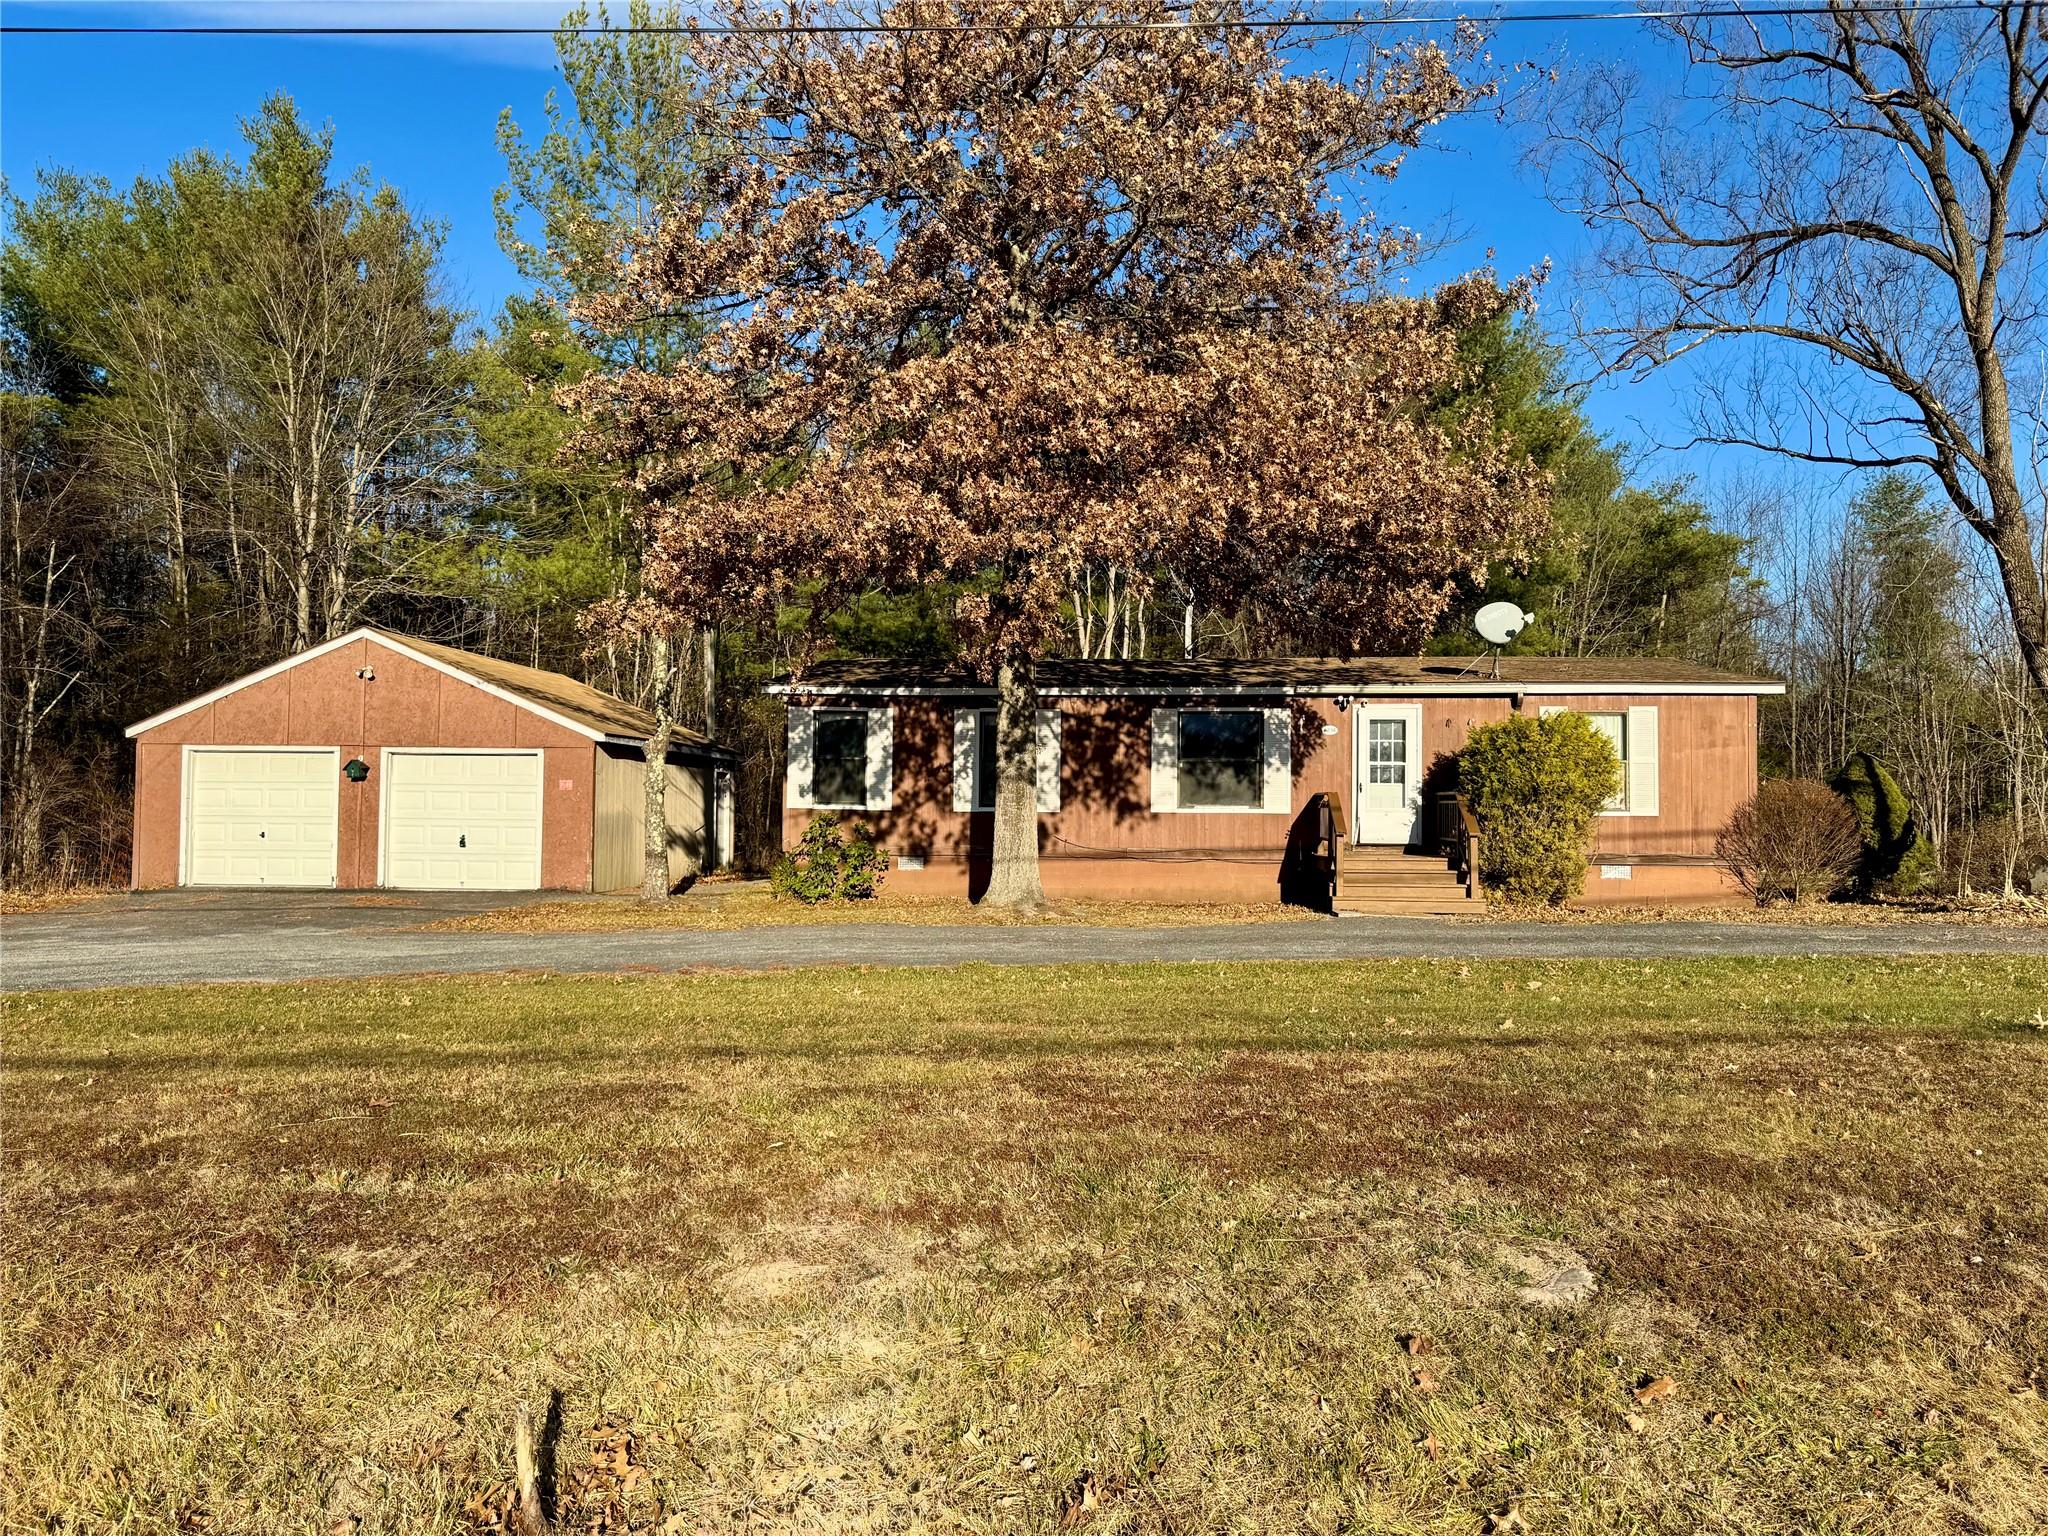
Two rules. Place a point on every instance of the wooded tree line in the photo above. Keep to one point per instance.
(731, 426)
(1891, 640)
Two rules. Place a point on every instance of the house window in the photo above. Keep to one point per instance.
(985, 760)
(839, 759)
(1613, 724)
(1221, 758)
(975, 768)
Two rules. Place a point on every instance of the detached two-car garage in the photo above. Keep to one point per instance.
(383, 760)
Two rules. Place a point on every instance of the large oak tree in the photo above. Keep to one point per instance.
(997, 290)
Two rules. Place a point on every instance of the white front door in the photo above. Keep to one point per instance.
(261, 817)
(1388, 804)
(461, 821)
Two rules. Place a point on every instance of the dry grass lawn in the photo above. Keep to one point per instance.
(1151, 1248)
(720, 906)
(48, 899)
(1982, 911)
(714, 908)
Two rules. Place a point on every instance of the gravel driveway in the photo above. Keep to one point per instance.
(194, 936)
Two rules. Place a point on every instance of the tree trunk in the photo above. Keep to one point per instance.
(708, 643)
(654, 883)
(1013, 873)
(2010, 537)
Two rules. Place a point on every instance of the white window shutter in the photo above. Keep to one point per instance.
(881, 753)
(798, 792)
(1048, 759)
(1277, 792)
(1165, 759)
(1642, 760)
(966, 753)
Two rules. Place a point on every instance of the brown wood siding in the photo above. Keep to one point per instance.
(321, 702)
(1706, 768)
(1105, 788)
(1105, 839)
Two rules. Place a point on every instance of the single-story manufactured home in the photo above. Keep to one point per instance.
(380, 760)
(1208, 780)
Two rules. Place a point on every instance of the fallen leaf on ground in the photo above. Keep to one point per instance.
(1083, 1497)
(1655, 1390)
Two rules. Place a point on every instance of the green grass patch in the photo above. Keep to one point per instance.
(1116, 1248)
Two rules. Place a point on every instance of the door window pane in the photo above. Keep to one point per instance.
(1386, 764)
(1386, 751)
(1220, 758)
(839, 758)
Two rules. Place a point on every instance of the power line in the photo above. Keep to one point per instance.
(833, 29)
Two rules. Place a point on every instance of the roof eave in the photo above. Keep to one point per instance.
(393, 643)
(1488, 688)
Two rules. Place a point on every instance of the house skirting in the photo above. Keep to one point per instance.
(1252, 879)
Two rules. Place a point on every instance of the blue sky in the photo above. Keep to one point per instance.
(421, 113)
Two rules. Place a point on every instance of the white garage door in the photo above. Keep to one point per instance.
(462, 821)
(261, 818)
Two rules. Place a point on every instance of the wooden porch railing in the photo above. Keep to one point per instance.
(1332, 832)
(1458, 833)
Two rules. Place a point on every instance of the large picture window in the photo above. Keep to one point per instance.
(1221, 754)
(839, 759)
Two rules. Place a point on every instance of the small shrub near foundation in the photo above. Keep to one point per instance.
(1537, 787)
(829, 864)
(1793, 840)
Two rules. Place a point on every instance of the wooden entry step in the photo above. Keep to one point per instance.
(1395, 882)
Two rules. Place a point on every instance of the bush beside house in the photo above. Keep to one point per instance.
(1537, 787)
(1896, 857)
(1794, 839)
(829, 865)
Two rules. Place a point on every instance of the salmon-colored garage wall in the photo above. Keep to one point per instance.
(321, 702)
(1105, 841)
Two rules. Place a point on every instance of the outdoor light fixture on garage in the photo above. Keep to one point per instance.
(355, 770)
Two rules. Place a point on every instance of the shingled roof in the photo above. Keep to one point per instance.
(1309, 675)
(578, 706)
(601, 712)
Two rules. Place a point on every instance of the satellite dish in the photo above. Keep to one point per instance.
(1498, 623)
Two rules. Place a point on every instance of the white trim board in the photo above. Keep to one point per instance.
(377, 637)
(1483, 690)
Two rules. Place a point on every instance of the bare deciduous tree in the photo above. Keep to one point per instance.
(1853, 205)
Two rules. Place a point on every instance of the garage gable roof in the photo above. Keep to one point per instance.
(572, 705)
